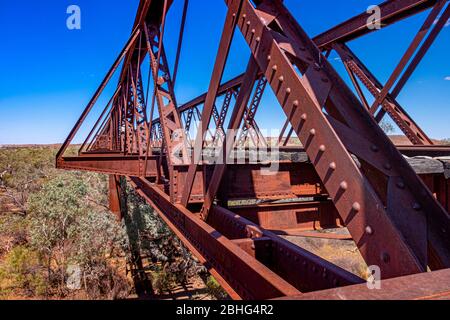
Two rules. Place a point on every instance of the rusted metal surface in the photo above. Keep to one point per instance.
(424, 286)
(347, 173)
(115, 195)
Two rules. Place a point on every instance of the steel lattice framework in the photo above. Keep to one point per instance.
(349, 174)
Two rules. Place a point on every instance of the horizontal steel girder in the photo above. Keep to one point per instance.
(424, 286)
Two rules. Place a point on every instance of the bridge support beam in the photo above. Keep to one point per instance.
(114, 196)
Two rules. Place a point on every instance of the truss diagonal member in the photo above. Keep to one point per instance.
(249, 124)
(391, 11)
(408, 54)
(174, 135)
(399, 247)
(229, 142)
(97, 94)
(405, 122)
(234, 8)
(220, 132)
(439, 25)
(112, 108)
(140, 111)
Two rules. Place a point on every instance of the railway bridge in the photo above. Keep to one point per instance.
(195, 162)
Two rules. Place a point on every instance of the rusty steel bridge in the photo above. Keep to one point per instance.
(346, 174)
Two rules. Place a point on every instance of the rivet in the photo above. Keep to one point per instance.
(248, 23)
(288, 90)
(344, 185)
(258, 39)
(304, 117)
(269, 57)
(322, 148)
(253, 30)
(234, 15)
(385, 257)
(356, 207)
(274, 68)
(387, 166)
(295, 103)
(281, 78)
(244, 16)
(369, 230)
(312, 132)
(401, 185)
(417, 206)
(374, 148)
(333, 166)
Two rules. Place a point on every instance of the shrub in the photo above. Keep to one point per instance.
(21, 270)
(68, 227)
(215, 290)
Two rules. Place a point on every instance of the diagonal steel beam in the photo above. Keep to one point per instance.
(408, 55)
(302, 98)
(404, 121)
(234, 7)
(229, 142)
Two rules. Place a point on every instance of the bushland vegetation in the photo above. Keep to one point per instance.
(58, 239)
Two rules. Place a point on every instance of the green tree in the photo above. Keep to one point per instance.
(69, 225)
(387, 127)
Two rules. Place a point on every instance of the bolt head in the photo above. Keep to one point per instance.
(344, 185)
(322, 148)
(333, 166)
(312, 132)
(356, 207)
(401, 185)
(369, 230)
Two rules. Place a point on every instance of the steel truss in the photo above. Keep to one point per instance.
(353, 173)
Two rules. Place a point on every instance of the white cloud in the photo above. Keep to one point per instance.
(447, 78)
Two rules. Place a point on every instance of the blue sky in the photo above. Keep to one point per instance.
(48, 73)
